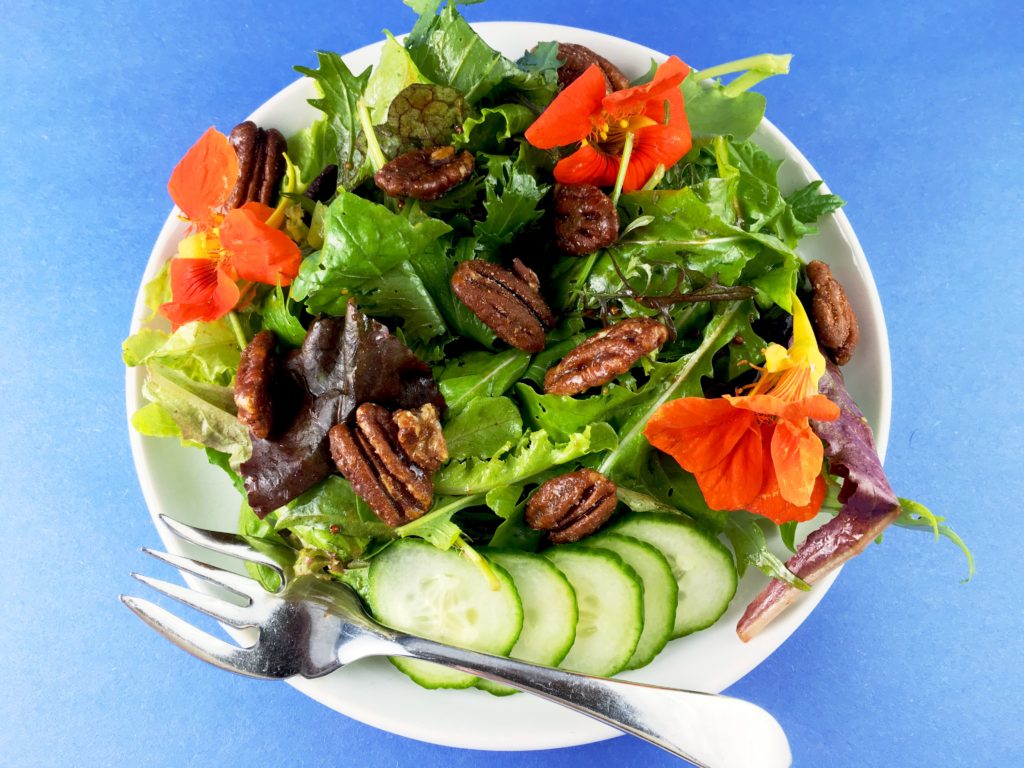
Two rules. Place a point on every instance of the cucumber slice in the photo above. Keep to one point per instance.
(660, 592)
(439, 594)
(549, 612)
(703, 568)
(609, 597)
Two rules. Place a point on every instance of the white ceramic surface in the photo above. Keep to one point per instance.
(179, 482)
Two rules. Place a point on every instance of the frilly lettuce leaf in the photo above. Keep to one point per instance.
(205, 352)
(512, 199)
(535, 453)
(340, 91)
(489, 129)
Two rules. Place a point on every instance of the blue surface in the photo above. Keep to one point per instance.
(911, 111)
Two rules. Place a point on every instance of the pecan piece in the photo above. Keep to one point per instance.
(421, 437)
(425, 174)
(372, 460)
(605, 355)
(253, 384)
(835, 323)
(585, 219)
(570, 507)
(507, 301)
(324, 186)
(260, 164)
(576, 59)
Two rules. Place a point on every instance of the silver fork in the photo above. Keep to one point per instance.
(311, 627)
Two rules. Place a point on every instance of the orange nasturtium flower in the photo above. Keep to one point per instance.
(757, 451)
(224, 246)
(584, 112)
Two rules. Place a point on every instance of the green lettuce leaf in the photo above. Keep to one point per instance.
(312, 149)
(153, 420)
(340, 91)
(808, 205)
(561, 415)
(535, 453)
(205, 352)
(485, 427)
(261, 536)
(204, 413)
(395, 71)
(277, 314)
(489, 129)
(435, 266)
(480, 374)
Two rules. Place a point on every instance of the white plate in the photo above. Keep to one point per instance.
(179, 482)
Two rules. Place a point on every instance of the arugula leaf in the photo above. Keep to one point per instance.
(204, 413)
(205, 352)
(751, 547)
(808, 205)
(448, 51)
(917, 516)
(395, 71)
(480, 374)
(561, 415)
(674, 486)
(436, 526)
(512, 197)
(276, 314)
(340, 91)
(532, 455)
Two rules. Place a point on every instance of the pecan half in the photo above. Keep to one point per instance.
(421, 437)
(253, 384)
(577, 58)
(260, 164)
(372, 460)
(507, 301)
(585, 219)
(425, 174)
(324, 186)
(605, 355)
(572, 506)
(835, 323)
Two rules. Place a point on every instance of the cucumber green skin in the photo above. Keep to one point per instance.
(629, 618)
(556, 586)
(425, 673)
(661, 593)
(714, 568)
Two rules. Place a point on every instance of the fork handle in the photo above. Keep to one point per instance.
(708, 730)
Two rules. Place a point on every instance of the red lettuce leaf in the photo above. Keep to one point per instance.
(343, 363)
(869, 506)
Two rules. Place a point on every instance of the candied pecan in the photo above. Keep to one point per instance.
(835, 323)
(605, 355)
(577, 58)
(322, 188)
(507, 301)
(425, 174)
(572, 506)
(421, 437)
(585, 219)
(253, 384)
(372, 460)
(260, 164)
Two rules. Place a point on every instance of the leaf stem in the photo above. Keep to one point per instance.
(377, 159)
(627, 150)
(236, 328)
(767, 63)
(656, 177)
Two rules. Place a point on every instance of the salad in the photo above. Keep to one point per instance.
(523, 351)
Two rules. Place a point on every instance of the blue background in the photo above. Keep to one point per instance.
(911, 111)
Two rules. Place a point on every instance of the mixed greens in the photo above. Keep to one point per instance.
(708, 247)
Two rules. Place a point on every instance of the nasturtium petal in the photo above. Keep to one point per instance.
(587, 165)
(568, 118)
(698, 433)
(203, 179)
(797, 454)
(201, 290)
(258, 252)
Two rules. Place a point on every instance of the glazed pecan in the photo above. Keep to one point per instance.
(577, 58)
(253, 384)
(324, 186)
(835, 323)
(605, 355)
(585, 219)
(372, 460)
(260, 164)
(507, 301)
(425, 174)
(421, 438)
(571, 506)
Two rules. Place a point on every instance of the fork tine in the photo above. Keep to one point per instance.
(242, 586)
(187, 637)
(224, 543)
(228, 613)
